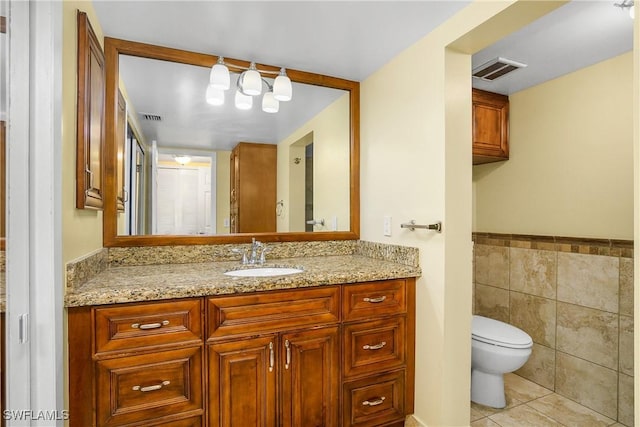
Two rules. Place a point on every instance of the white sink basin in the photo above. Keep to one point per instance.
(263, 271)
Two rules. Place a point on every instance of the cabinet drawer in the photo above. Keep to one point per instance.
(374, 346)
(272, 311)
(374, 401)
(374, 299)
(146, 387)
(148, 325)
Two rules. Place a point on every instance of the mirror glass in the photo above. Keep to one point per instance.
(180, 174)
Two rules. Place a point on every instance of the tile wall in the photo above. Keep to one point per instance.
(574, 297)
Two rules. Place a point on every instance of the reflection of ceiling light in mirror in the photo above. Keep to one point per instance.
(214, 96)
(249, 84)
(182, 160)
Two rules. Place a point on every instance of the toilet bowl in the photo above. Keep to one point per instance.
(497, 348)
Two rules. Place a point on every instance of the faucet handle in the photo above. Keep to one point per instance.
(264, 250)
(243, 252)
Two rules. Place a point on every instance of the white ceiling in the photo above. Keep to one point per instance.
(353, 39)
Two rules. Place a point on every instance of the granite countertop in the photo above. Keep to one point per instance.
(165, 281)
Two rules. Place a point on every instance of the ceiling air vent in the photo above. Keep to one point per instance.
(151, 117)
(495, 68)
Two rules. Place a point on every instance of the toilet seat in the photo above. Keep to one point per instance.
(498, 333)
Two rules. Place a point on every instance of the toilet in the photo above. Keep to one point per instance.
(497, 348)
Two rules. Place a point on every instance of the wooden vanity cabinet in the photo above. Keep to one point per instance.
(379, 364)
(320, 356)
(289, 374)
(253, 188)
(490, 127)
(138, 364)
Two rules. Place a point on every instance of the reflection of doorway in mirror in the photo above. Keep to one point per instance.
(185, 196)
(300, 196)
(308, 188)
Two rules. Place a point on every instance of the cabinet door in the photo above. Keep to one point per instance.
(310, 378)
(242, 382)
(490, 127)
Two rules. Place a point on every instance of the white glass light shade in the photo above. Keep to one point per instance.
(269, 103)
(243, 102)
(219, 77)
(252, 81)
(214, 96)
(282, 90)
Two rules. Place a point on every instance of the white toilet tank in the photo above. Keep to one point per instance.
(495, 332)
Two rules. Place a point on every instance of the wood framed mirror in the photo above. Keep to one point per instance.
(144, 150)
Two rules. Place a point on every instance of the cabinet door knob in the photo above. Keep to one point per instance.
(374, 346)
(374, 402)
(375, 300)
(150, 387)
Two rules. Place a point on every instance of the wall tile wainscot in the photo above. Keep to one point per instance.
(574, 297)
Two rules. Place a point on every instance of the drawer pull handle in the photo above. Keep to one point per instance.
(151, 387)
(375, 300)
(288, 347)
(374, 346)
(271, 357)
(145, 326)
(376, 402)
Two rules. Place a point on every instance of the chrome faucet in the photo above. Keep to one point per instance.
(255, 246)
(253, 255)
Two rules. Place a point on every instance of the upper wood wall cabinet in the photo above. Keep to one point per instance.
(490, 127)
(90, 132)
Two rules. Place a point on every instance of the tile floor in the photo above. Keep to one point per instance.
(529, 404)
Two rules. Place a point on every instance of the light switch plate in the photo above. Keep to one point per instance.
(386, 227)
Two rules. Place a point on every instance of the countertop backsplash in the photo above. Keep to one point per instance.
(83, 269)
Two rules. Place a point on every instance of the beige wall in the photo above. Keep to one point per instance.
(331, 167)
(570, 171)
(416, 164)
(81, 229)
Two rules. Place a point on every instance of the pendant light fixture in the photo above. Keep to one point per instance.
(282, 86)
(249, 84)
(219, 77)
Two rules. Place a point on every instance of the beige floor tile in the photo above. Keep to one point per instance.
(484, 422)
(523, 416)
(486, 411)
(475, 415)
(569, 412)
(523, 390)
